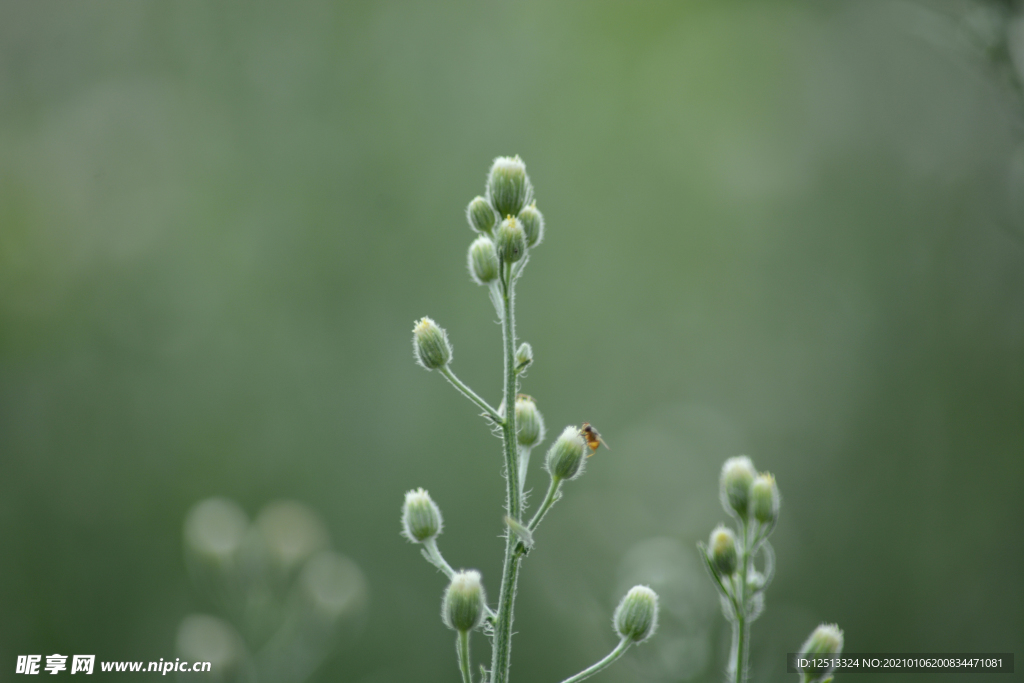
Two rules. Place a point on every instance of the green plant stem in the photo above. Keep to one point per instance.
(462, 645)
(471, 395)
(502, 645)
(549, 500)
(741, 629)
(619, 650)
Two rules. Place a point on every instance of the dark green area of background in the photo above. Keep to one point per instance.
(790, 230)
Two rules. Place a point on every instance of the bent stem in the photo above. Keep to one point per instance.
(471, 395)
(502, 647)
(462, 646)
(549, 499)
(619, 650)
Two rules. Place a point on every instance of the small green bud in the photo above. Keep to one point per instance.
(483, 260)
(737, 475)
(431, 345)
(636, 617)
(421, 518)
(533, 224)
(511, 240)
(764, 498)
(565, 457)
(826, 641)
(529, 422)
(722, 551)
(480, 215)
(508, 187)
(463, 605)
(524, 356)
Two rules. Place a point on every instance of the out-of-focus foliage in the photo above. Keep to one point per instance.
(789, 229)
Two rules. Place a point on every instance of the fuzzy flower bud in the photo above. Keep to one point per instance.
(565, 457)
(636, 617)
(737, 475)
(421, 518)
(431, 345)
(722, 551)
(529, 422)
(524, 356)
(480, 215)
(463, 605)
(508, 187)
(825, 642)
(533, 224)
(483, 260)
(764, 498)
(511, 240)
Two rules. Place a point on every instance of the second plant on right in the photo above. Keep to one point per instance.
(731, 557)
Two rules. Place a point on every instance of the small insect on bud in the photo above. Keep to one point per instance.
(511, 240)
(533, 224)
(737, 475)
(480, 215)
(463, 605)
(764, 498)
(421, 518)
(636, 617)
(483, 261)
(529, 421)
(565, 457)
(431, 345)
(722, 551)
(524, 356)
(508, 187)
(825, 642)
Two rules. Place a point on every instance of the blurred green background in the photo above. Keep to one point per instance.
(793, 230)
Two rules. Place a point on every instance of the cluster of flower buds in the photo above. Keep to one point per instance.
(506, 218)
(753, 500)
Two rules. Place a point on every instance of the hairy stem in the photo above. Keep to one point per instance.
(462, 645)
(471, 395)
(502, 647)
(619, 650)
(549, 500)
(741, 629)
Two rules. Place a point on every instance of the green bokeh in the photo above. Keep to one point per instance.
(792, 230)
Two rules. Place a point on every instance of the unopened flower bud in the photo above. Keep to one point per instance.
(524, 356)
(825, 642)
(533, 224)
(511, 240)
(463, 606)
(431, 345)
(636, 617)
(483, 260)
(508, 187)
(480, 215)
(565, 457)
(722, 551)
(737, 475)
(764, 498)
(421, 518)
(529, 422)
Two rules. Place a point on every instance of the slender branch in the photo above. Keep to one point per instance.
(619, 650)
(434, 557)
(524, 463)
(462, 646)
(549, 499)
(502, 648)
(471, 395)
(741, 630)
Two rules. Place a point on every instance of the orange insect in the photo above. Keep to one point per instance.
(592, 437)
